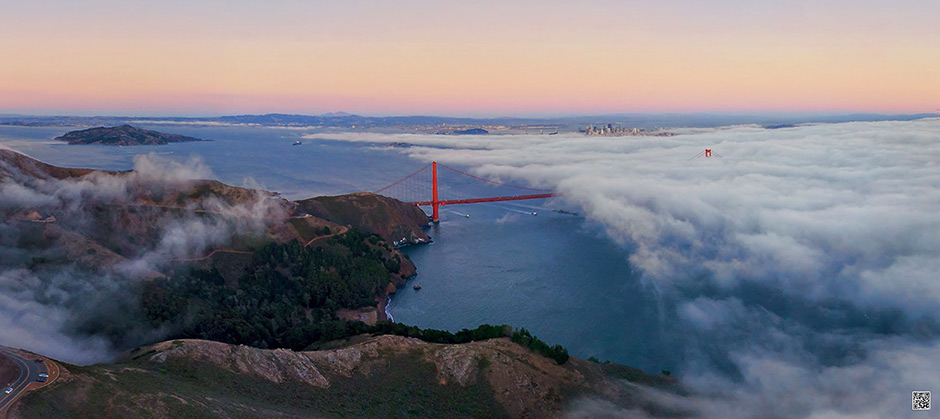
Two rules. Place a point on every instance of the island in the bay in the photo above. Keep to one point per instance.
(123, 135)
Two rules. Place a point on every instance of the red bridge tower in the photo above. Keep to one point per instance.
(435, 204)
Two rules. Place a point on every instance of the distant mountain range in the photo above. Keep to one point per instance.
(343, 120)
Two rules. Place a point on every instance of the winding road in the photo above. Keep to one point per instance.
(29, 374)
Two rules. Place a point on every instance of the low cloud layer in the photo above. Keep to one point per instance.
(799, 264)
(54, 301)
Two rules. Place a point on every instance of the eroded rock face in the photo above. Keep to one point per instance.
(379, 345)
(277, 366)
(283, 365)
(340, 361)
(524, 383)
(528, 385)
(456, 363)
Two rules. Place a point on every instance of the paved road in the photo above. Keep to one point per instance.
(29, 372)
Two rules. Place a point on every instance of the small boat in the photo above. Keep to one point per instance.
(297, 142)
(535, 213)
(417, 287)
(467, 215)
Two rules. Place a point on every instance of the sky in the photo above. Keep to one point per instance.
(480, 58)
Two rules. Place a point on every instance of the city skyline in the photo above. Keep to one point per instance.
(482, 59)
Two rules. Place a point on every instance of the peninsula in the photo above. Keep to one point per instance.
(123, 135)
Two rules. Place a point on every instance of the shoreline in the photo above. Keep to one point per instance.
(385, 307)
(382, 308)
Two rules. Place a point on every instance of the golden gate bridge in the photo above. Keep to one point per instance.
(424, 183)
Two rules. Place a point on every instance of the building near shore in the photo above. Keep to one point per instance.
(616, 131)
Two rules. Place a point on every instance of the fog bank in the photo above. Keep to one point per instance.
(797, 265)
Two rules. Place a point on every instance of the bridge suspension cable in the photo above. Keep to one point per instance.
(492, 181)
(404, 178)
(415, 190)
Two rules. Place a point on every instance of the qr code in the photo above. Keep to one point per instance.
(920, 400)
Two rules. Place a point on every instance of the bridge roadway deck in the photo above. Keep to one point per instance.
(480, 200)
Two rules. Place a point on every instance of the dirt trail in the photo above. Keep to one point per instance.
(240, 252)
(343, 230)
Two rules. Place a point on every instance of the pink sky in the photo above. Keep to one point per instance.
(483, 58)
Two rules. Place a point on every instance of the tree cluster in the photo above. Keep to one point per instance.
(556, 352)
(286, 298)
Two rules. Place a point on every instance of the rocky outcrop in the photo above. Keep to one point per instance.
(369, 376)
(456, 363)
(525, 383)
(276, 366)
(282, 365)
(395, 221)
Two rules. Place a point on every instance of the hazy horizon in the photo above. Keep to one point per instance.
(485, 58)
(482, 116)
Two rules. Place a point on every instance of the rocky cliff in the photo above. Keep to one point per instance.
(369, 377)
(395, 221)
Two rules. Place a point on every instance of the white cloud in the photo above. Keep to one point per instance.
(837, 225)
(813, 203)
(47, 309)
(153, 167)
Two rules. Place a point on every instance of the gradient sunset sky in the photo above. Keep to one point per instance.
(477, 58)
